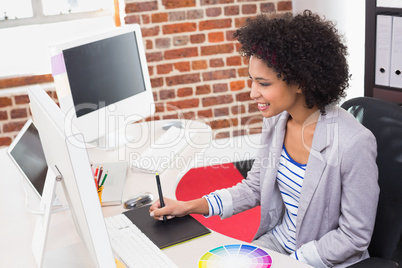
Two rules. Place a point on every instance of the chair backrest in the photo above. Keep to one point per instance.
(384, 119)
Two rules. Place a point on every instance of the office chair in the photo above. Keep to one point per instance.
(384, 119)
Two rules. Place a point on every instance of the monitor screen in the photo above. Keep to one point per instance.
(104, 72)
(102, 83)
(27, 153)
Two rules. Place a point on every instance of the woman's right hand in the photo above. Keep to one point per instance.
(174, 208)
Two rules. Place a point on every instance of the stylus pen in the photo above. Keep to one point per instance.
(158, 182)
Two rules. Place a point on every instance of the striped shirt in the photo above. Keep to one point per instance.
(290, 180)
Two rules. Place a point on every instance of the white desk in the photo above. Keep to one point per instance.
(17, 224)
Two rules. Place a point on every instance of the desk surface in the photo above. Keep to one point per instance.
(18, 224)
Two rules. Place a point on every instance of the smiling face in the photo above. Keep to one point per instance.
(272, 95)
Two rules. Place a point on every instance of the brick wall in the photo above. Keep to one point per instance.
(195, 68)
(14, 111)
(194, 62)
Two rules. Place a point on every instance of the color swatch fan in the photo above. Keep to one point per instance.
(235, 256)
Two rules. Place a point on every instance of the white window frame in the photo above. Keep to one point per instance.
(39, 18)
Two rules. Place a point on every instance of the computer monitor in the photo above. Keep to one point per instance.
(27, 154)
(68, 160)
(103, 84)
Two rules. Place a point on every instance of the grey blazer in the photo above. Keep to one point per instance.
(340, 191)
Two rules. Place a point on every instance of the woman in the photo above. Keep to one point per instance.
(316, 178)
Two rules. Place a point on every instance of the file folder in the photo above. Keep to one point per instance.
(383, 50)
(396, 53)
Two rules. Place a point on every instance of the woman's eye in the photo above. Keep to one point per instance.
(265, 84)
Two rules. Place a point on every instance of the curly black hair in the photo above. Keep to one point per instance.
(303, 49)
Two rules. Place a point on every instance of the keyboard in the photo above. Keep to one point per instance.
(132, 247)
(159, 156)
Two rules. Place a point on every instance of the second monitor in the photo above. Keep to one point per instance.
(102, 83)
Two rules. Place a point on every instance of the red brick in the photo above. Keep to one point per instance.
(197, 38)
(220, 88)
(243, 96)
(180, 40)
(141, 7)
(215, 37)
(237, 85)
(5, 101)
(183, 104)
(159, 107)
(199, 65)
(267, 7)
(233, 61)
(19, 113)
(181, 53)
(5, 141)
(195, 14)
(249, 9)
(182, 66)
(204, 89)
(179, 28)
(255, 130)
(239, 132)
(150, 70)
(224, 123)
(243, 72)
(159, 17)
(215, 24)
(162, 43)
(189, 115)
(171, 116)
(177, 16)
(182, 79)
(213, 63)
(169, 4)
(253, 107)
(164, 68)
(167, 94)
(132, 19)
(284, 5)
(221, 111)
(13, 126)
(221, 135)
(232, 10)
(213, 11)
(215, 100)
(3, 115)
(154, 56)
(249, 120)
(229, 36)
(145, 19)
(240, 21)
(21, 99)
(157, 82)
(216, 49)
(148, 44)
(184, 92)
(205, 113)
(220, 74)
(238, 109)
(153, 31)
(215, 2)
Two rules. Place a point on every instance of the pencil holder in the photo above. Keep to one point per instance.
(100, 190)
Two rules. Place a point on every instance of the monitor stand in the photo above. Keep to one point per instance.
(42, 222)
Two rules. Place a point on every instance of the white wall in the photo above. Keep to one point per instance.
(350, 18)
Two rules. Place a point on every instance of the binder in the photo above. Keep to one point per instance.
(396, 53)
(383, 50)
